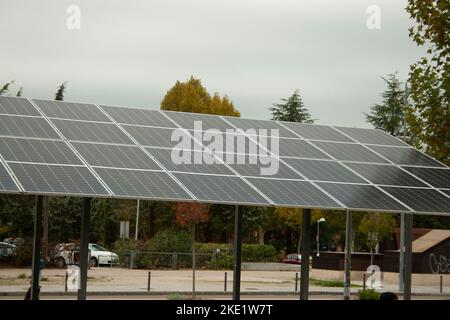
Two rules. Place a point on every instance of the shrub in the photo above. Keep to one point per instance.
(259, 253)
(170, 241)
(123, 248)
(23, 256)
(369, 294)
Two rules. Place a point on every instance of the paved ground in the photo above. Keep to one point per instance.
(122, 282)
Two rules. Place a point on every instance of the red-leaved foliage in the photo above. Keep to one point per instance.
(189, 212)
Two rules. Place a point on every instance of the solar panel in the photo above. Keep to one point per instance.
(41, 151)
(186, 121)
(71, 110)
(221, 189)
(7, 183)
(26, 127)
(349, 152)
(164, 156)
(152, 118)
(421, 200)
(279, 170)
(437, 177)
(154, 137)
(17, 106)
(347, 164)
(299, 148)
(371, 136)
(57, 179)
(245, 124)
(92, 131)
(115, 156)
(323, 170)
(406, 156)
(142, 184)
(362, 197)
(386, 174)
(294, 193)
(231, 143)
(316, 132)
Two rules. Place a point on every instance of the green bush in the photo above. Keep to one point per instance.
(369, 294)
(259, 253)
(169, 241)
(123, 248)
(24, 253)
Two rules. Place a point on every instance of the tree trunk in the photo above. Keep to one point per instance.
(151, 222)
(260, 235)
(299, 244)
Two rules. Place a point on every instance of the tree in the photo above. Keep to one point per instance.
(429, 115)
(376, 227)
(59, 95)
(189, 214)
(292, 110)
(20, 92)
(191, 96)
(389, 116)
(5, 89)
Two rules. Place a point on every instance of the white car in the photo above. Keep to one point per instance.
(100, 255)
(68, 253)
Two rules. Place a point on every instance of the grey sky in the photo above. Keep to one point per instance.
(131, 52)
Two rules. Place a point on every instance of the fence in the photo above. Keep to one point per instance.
(164, 260)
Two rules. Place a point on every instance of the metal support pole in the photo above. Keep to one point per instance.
(84, 247)
(408, 256)
(137, 221)
(149, 280)
(348, 255)
(36, 248)
(401, 269)
(305, 253)
(296, 281)
(237, 253)
(317, 239)
(440, 283)
(225, 282)
(364, 282)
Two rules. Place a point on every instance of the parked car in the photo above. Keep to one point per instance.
(7, 250)
(100, 255)
(69, 253)
(294, 258)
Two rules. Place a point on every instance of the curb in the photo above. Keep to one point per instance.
(203, 293)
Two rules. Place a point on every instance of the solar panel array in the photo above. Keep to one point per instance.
(65, 148)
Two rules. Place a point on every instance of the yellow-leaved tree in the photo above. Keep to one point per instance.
(191, 96)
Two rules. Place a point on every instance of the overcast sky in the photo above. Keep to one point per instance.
(257, 52)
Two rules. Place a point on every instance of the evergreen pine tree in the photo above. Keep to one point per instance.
(60, 93)
(389, 115)
(292, 110)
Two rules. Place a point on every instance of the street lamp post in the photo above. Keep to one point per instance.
(317, 237)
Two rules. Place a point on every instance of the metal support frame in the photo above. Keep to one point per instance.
(136, 231)
(401, 259)
(36, 248)
(408, 257)
(84, 247)
(348, 255)
(305, 252)
(237, 253)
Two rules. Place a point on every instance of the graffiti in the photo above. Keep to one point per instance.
(373, 281)
(439, 265)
